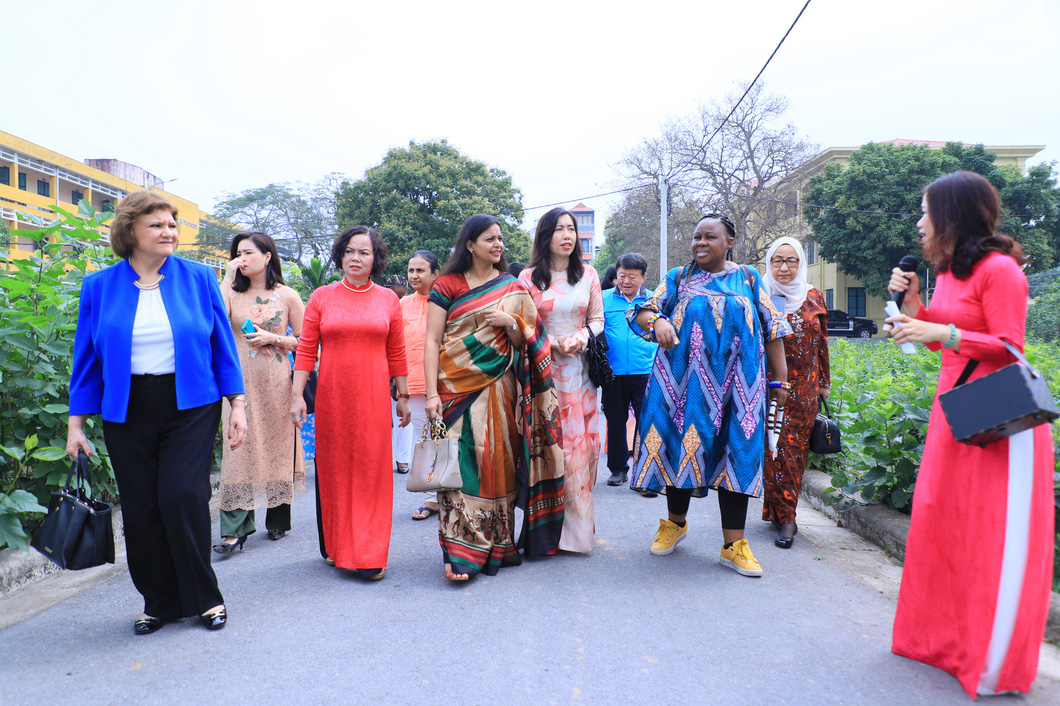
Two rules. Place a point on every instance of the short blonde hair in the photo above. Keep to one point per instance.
(136, 204)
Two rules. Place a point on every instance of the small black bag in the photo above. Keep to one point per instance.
(78, 532)
(600, 373)
(825, 436)
(1002, 403)
(309, 393)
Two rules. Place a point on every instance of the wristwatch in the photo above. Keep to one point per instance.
(277, 340)
(515, 325)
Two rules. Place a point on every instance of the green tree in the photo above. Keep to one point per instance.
(881, 190)
(1031, 214)
(418, 197)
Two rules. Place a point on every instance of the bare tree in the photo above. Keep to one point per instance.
(299, 216)
(744, 167)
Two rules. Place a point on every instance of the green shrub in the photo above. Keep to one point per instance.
(1043, 315)
(38, 316)
(881, 400)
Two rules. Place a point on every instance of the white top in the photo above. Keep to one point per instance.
(152, 336)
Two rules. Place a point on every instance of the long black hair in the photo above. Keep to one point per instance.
(264, 244)
(460, 260)
(541, 260)
(430, 257)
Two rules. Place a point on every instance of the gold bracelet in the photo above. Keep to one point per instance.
(402, 397)
(241, 398)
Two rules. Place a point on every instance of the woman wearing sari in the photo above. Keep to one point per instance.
(488, 375)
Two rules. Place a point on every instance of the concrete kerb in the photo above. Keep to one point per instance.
(888, 529)
(19, 568)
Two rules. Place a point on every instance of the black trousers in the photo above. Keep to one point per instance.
(617, 397)
(161, 457)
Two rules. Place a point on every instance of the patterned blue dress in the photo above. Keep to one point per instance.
(702, 425)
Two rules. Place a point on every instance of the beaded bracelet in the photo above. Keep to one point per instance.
(655, 316)
(953, 337)
(777, 384)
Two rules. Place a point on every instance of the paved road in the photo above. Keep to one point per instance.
(617, 626)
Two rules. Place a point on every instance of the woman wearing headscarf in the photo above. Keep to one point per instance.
(806, 353)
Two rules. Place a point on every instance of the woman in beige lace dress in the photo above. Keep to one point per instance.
(265, 469)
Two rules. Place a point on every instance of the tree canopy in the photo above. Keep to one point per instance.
(871, 206)
(419, 196)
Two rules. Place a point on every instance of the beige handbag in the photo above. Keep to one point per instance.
(435, 465)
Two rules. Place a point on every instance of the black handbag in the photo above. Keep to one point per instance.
(1002, 403)
(600, 373)
(825, 436)
(78, 531)
(309, 393)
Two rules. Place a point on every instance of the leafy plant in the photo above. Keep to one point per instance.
(1043, 315)
(881, 400)
(316, 275)
(38, 316)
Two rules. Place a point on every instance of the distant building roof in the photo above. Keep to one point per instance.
(581, 207)
(930, 143)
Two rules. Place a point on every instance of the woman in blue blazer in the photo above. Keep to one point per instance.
(154, 354)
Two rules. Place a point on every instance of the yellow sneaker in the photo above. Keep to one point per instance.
(667, 537)
(739, 558)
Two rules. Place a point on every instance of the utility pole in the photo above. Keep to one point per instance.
(664, 199)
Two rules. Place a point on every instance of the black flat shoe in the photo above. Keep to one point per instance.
(276, 534)
(226, 548)
(214, 620)
(786, 542)
(146, 626)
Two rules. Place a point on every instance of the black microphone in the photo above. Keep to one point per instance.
(906, 264)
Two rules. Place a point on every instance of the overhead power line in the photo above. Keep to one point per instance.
(675, 172)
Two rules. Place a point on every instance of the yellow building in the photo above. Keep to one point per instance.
(847, 293)
(33, 178)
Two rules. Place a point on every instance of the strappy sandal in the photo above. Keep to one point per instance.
(423, 512)
(453, 576)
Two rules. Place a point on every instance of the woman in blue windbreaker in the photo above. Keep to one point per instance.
(154, 354)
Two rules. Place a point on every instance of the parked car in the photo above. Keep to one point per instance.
(841, 323)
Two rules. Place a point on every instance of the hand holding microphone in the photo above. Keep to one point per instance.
(903, 278)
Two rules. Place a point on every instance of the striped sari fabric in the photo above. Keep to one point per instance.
(500, 403)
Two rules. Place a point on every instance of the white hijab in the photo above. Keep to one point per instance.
(795, 291)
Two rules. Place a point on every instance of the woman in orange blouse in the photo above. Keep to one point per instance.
(423, 270)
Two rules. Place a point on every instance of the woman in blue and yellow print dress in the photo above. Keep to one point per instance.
(703, 421)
